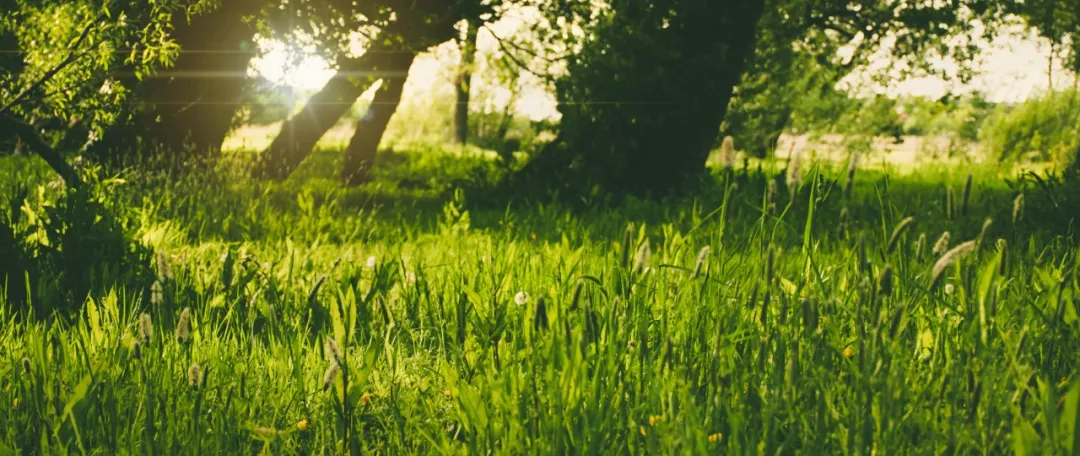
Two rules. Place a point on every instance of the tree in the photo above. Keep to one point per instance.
(648, 90)
(413, 28)
(464, 83)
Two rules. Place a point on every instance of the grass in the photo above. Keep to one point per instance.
(471, 324)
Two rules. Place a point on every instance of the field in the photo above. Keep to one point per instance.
(762, 314)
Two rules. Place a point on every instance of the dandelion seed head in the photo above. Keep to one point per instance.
(521, 298)
(949, 288)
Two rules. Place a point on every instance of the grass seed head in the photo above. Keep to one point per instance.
(1018, 208)
(642, 259)
(328, 377)
(540, 318)
(849, 186)
(947, 259)
(920, 244)
(702, 257)
(727, 152)
(146, 328)
(901, 227)
(575, 300)
(157, 294)
(136, 350)
(985, 228)
(333, 351)
(164, 269)
(1003, 265)
(183, 326)
(194, 376)
(628, 238)
(942, 244)
(885, 285)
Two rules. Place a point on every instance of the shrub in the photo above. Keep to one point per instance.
(1046, 127)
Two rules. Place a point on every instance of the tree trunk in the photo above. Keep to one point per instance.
(642, 109)
(300, 133)
(363, 147)
(37, 145)
(464, 83)
(187, 110)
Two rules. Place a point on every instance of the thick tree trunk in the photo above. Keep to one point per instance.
(363, 147)
(300, 133)
(631, 128)
(188, 109)
(464, 84)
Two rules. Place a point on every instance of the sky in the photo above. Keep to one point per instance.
(1012, 68)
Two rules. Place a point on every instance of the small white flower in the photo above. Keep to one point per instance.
(371, 261)
(521, 298)
(949, 288)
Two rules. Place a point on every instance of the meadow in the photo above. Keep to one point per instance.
(836, 309)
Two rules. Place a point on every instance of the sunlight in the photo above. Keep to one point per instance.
(291, 67)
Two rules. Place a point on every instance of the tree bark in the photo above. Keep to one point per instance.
(300, 133)
(464, 84)
(363, 147)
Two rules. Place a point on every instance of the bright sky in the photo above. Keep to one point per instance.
(1012, 68)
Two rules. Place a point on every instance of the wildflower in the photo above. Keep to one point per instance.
(328, 377)
(26, 364)
(183, 327)
(15, 403)
(947, 259)
(448, 393)
(365, 398)
(849, 352)
(333, 351)
(146, 328)
(302, 425)
(521, 298)
(641, 429)
(371, 262)
(1018, 208)
(653, 419)
(898, 231)
(194, 376)
(715, 438)
(942, 244)
(702, 257)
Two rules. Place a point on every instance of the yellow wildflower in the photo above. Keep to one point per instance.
(365, 398)
(302, 425)
(641, 429)
(849, 352)
(655, 419)
(715, 438)
(448, 393)
(15, 403)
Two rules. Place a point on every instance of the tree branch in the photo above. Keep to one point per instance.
(71, 57)
(31, 138)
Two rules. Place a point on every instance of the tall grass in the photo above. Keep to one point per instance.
(735, 321)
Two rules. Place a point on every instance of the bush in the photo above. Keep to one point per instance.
(1046, 127)
(62, 246)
